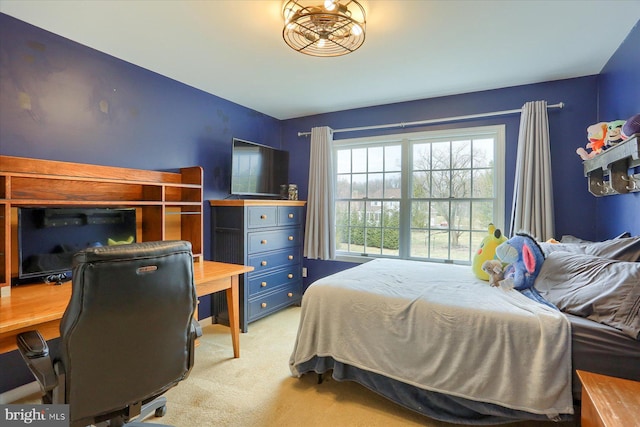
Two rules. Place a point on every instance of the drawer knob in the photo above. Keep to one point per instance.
(263, 284)
(290, 257)
(290, 216)
(290, 276)
(290, 294)
(263, 242)
(263, 216)
(263, 305)
(263, 263)
(290, 237)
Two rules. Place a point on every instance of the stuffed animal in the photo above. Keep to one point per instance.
(597, 136)
(614, 132)
(487, 251)
(525, 258)
(631, 126)
(112, 242)
(493, 268)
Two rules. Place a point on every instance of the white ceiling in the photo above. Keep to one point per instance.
(413, 49)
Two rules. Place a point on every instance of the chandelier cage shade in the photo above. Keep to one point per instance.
(323, 27)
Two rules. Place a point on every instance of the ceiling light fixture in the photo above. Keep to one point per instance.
(333, 28)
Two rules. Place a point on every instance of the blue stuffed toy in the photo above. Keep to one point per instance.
(525, 258)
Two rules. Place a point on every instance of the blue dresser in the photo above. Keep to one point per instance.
(267, 235)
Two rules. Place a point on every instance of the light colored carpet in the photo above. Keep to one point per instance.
(258, 390)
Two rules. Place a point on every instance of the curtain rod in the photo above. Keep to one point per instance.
(432, 121)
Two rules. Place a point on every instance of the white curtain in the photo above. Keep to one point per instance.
(532, 209)
(320, 234)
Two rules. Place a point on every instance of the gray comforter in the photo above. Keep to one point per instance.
(439, 328)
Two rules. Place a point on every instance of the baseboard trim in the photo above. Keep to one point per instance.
(19, 393)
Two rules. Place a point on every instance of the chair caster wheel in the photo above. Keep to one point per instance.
(161, 411)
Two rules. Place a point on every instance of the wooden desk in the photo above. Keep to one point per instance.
(41, 306)
(609, 401)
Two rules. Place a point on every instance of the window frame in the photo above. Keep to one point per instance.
(406, 141)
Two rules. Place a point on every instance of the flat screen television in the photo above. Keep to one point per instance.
(258, 170)
(48, 238)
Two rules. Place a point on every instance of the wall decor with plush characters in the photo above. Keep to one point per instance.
(604, 135)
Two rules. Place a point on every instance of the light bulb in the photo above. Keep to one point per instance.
(356, 30)
(321, 42)
(329, 5)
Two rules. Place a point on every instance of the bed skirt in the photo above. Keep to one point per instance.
(432, 404)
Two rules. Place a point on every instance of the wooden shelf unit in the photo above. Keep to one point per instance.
(614, 163)
(168, 204)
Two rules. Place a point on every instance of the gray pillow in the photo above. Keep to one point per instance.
(603, 290)
(622, 248)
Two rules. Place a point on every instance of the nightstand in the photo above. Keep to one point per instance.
(609, 401)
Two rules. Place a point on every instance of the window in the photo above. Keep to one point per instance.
(426, 195)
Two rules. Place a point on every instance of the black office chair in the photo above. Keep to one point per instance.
(127, 335)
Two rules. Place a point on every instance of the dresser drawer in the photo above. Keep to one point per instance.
(265, 261)
(270, 302)
(262, 216)
(289, 215)
(271, 240)
(268, 282)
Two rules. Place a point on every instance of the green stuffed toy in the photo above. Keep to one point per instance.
(112, 242)
(487, 251)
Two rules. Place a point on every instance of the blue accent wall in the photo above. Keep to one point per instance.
(619, 99)
(60, 100)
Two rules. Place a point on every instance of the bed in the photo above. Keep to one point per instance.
(437, 340)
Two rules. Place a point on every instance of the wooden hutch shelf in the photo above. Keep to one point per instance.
(168, 204)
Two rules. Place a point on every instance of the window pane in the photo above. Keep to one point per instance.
(343, 161)
(460, 215)
(342, 238)
(440, 184)
(482, 214)
(460, 245)
(342, 214)
(392, 185)
(483, 152)
(359, 163)
(440, 155)
(374, 213)
(391, 241)
(421, 157)
(461, 183)
(393, 158)
(374, 239)
(343, 186)
(461, 154)
(439, 244)
(374, 186)
(420, 215)
(391, 214)
(376, 159)
(483, 183)
(359, 187)
(420, 244)
(421, 184)
(440, 215)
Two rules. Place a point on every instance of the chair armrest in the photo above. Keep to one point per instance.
(35, 352)
(195, 332)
